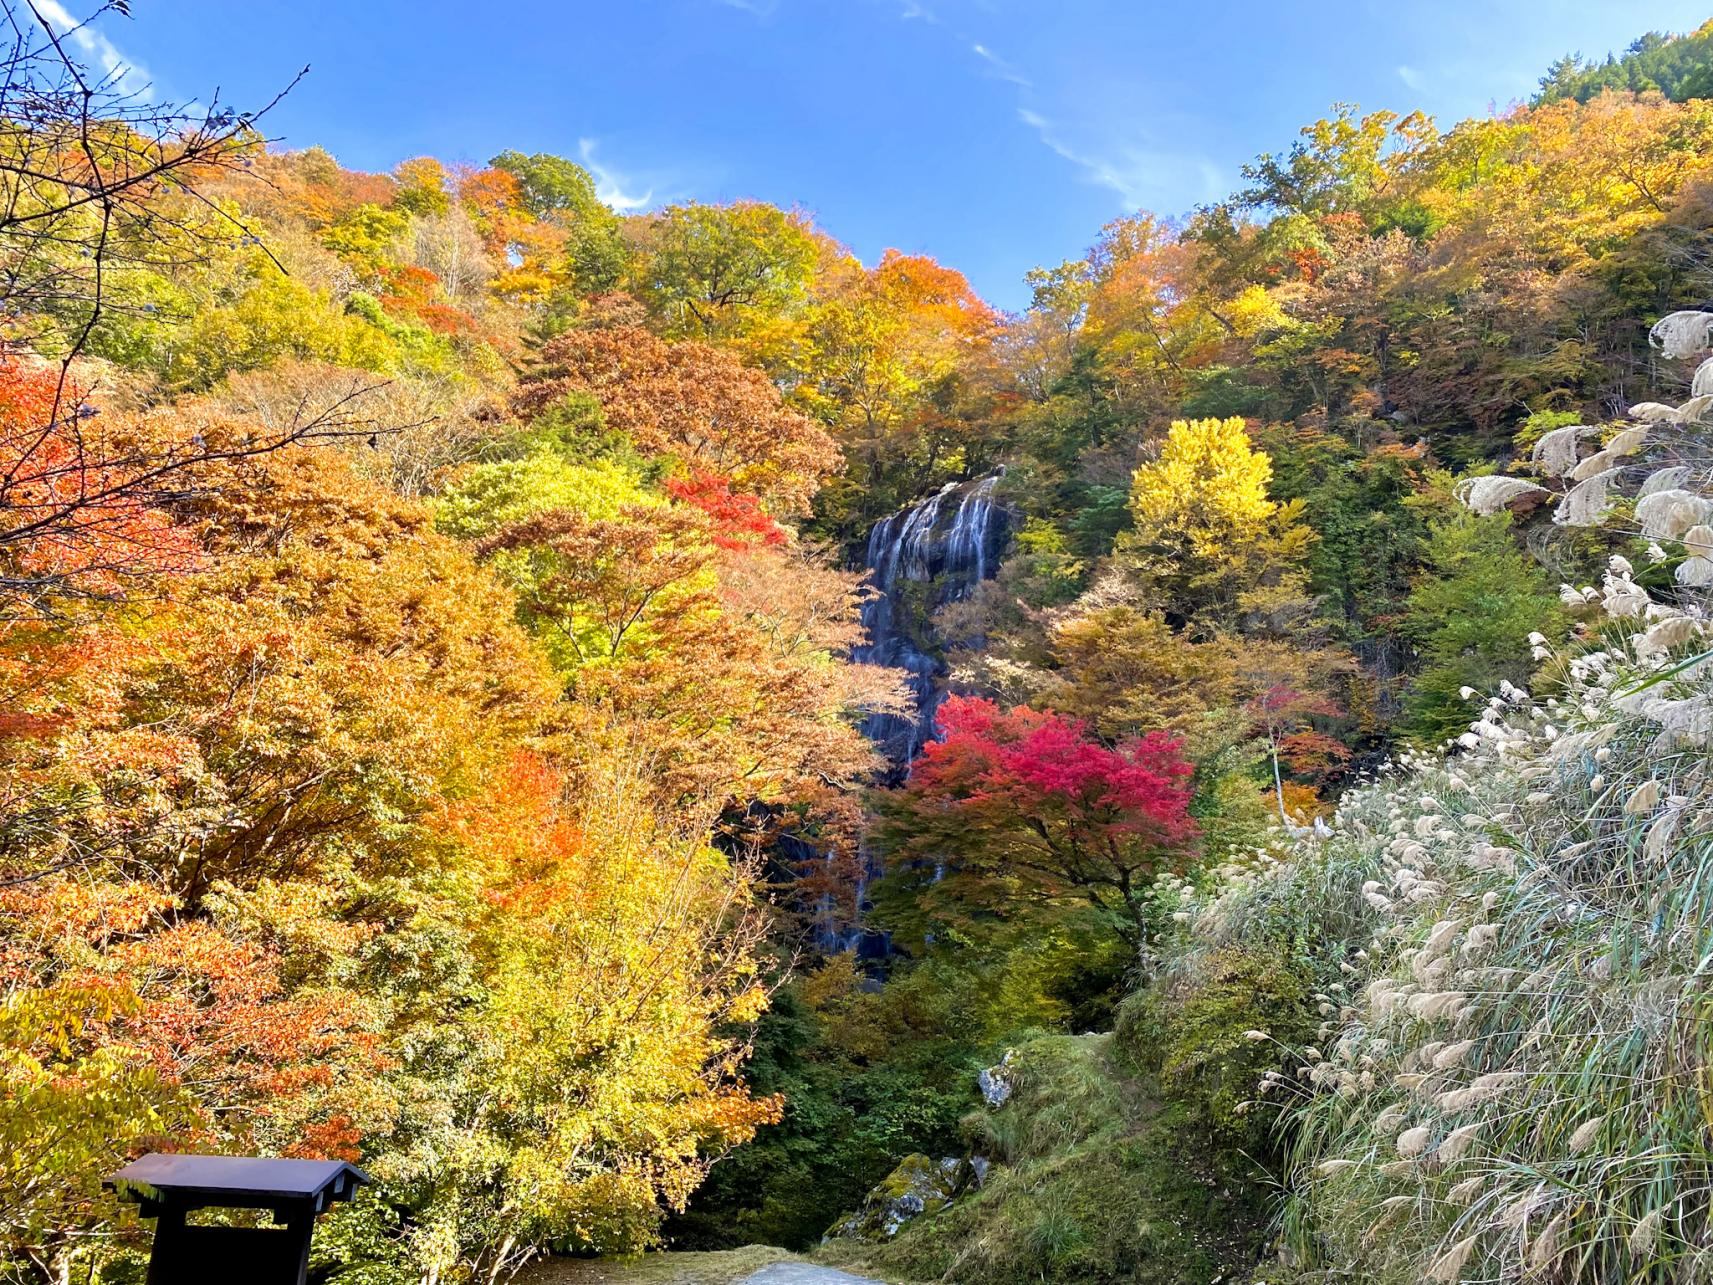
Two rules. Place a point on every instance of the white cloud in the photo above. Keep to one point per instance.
(1107, 145)
(1135, 169)
(122, 72)
(1410, 76)
(907, 10)
(1000, 68)
(611, 186)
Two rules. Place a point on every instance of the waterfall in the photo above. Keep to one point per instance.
(926, 555)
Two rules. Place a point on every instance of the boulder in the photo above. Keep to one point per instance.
(920, 1185)
(995, 1081)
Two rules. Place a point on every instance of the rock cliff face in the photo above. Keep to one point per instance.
(924, 556)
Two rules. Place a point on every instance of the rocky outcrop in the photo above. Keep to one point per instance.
(920, 1185)
(934, 552)
(995, 1082)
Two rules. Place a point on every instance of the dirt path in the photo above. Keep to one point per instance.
(756, 1265)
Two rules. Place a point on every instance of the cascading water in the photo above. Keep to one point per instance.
(931, 553)
(926, 555)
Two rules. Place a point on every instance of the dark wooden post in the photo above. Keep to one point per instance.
(167, 1188)
(169, 1244)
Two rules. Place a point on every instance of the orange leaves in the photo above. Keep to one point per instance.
(210, 1014)
(58, 917)
(490, 195)
(899, 360)
(691, 400)
(732, 1117)
(409, 286)
(312, 186)
(336, 1138)
(1301, 803)
(75, 507)
(520, 832)
(939, 297)
(213, 1006)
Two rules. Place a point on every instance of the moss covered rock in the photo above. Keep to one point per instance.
(920, 1185)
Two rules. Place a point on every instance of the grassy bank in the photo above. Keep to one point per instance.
(1095, 1181)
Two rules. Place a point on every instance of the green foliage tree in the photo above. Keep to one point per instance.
(1678, 66)
(706, 268)
(552, 187)
(1470, 614)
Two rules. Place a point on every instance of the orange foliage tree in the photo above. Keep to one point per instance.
(277, 874)
(692, 400)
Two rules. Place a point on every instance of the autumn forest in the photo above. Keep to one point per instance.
(645, 731)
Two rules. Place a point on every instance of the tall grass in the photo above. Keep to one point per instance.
(1521, 1089)
(1514, 1077)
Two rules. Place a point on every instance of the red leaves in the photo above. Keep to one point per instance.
(739, 520)
(1028, 801)
(1313, 753)
(1024, 759)
(1282, 706)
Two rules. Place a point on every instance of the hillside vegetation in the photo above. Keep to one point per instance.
(429, 735)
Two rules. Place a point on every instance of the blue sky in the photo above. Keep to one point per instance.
(993, 134)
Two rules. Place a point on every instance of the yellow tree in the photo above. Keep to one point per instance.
(1224, 563)
(1207, 490)
(1212, 550)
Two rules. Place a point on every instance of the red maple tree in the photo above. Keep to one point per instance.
(739, 521)
(1029, 800)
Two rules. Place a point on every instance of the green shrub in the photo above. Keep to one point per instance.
(1096, 1182)
(1192, 1035)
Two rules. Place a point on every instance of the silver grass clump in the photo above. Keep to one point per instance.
(1509, 1085)
(1683, 334)
(1598, 462)
(1628, 442)
(1702, 384)
(1555, 453)
(1670, 478)
(1692, 411)
(1666, 515)
(1695, 410)
(1655, 413)
(1532, 1126)
(1694, 572)
(1594, 480)
(1487, 495)
(1585, 503)
(1667, 635)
